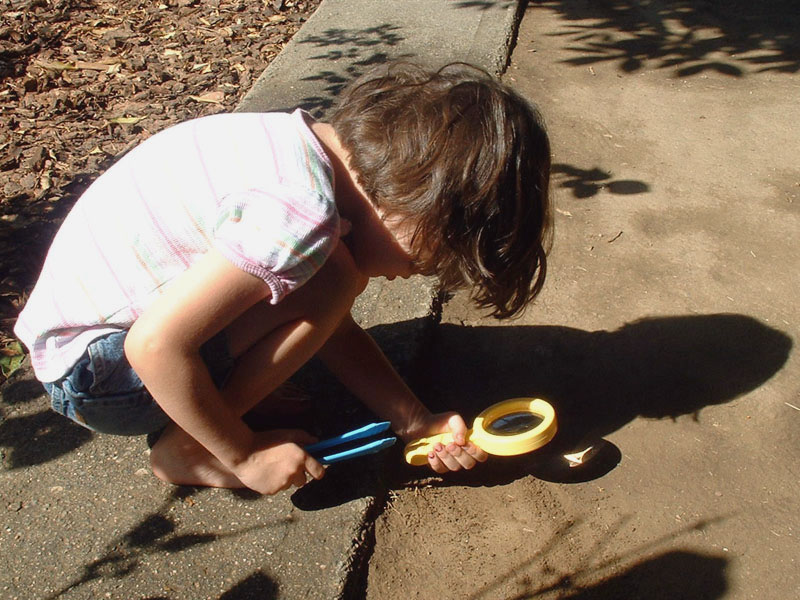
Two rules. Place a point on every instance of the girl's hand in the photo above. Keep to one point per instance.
(455, 456)
(279, 462)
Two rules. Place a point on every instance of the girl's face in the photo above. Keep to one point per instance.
(402, 230)
(381, 245)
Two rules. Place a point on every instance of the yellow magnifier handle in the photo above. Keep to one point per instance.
(498, 443)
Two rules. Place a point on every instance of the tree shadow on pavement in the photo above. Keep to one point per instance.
(484, 5)
(675, 574)
(600, 572)
(157, 534)
(346, 55)
(30, 432)
(257, 586)
(733, 37)
(585, 183)
(597, 381)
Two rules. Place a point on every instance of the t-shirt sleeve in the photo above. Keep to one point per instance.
(282, 236)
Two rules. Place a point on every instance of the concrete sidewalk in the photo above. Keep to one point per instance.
(81, 514)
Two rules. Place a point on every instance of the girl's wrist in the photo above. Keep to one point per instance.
(415, 426)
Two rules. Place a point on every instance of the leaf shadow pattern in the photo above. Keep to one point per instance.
(21, 388)
(674, 574)
(348, 54)
(257, 586)
(484, 5)
(667, 575)
(38, 438)
(597, 381)
(585, 183)
(733, 38)
(155, 534)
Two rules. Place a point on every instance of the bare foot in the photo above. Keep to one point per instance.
(177, 458)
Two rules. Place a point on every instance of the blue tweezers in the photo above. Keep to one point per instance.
(330, 451)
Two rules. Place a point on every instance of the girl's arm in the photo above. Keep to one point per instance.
(163, 346)
(356, 360)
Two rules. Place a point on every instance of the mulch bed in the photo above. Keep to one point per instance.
(84, 81)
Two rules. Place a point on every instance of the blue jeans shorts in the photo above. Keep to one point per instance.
(103, 393)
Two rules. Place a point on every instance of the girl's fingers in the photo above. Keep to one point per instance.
(454, 457)
(436, 464)
(314, 468)
(465, 460)
(458, 428)
(448, 459)
(479, 454)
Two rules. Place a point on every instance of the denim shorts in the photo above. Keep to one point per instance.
(103, 393)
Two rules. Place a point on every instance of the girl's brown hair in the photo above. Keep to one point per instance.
(467, 160)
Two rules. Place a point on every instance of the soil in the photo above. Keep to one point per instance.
(84, 81)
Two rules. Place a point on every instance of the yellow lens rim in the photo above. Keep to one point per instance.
(521, 443)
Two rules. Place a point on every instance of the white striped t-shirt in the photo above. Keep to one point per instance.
(256, 186)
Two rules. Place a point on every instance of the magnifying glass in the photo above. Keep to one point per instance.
(507, 428)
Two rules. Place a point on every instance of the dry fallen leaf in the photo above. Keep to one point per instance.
(576, 459)
(55, 65)
(98, 65)
(211, 97)
(111, 65)
(126, 120)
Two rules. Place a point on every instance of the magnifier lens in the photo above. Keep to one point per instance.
(514, 423)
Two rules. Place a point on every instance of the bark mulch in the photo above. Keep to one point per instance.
(84, 81)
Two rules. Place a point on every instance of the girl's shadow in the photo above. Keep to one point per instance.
(598, 381)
